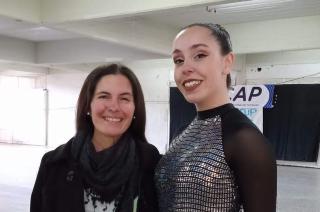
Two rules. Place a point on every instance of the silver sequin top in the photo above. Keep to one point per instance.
(194, 175)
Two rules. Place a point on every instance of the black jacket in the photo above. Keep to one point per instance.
(59, 187)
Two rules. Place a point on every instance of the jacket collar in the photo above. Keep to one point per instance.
(63, 152)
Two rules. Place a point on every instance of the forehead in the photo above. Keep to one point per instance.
(193, 35)
(114, 82)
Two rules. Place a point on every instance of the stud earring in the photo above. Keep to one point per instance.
(134, 117)
(88, 113)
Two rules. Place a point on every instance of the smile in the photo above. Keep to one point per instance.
(191, 83)
(112, 119)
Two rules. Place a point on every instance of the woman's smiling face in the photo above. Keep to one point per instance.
(200, 68)
(112, 106)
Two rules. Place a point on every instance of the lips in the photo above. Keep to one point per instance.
(191, 84)
(112, 119)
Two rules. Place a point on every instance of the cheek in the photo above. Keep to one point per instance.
(176, 75)
(97, 108)
(128, 109)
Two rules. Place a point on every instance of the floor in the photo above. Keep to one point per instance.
(298, 188)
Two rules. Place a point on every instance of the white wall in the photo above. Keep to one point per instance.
(63, 90)
(276, 35)
(283, 67)
(13, 49)
(82, 50)
(24, 10)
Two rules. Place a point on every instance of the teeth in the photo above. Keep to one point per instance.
(112, 119)
(191, 83)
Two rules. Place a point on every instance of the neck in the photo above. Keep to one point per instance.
(101, 142)
(214, 102)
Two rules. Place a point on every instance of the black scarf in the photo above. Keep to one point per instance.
(111, 174)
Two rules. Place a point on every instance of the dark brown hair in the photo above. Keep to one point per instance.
(83, 120)
(223, 38)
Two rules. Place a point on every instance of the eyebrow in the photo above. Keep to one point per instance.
(107, 93)
(192, 47)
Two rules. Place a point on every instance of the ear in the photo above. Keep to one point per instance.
(228, 63)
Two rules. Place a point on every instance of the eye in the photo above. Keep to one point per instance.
(178, 61)
(200, 55)
(102, 96)
(125, 99)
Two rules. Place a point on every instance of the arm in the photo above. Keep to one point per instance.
(253, 163)
(36, 200)
(150, 157)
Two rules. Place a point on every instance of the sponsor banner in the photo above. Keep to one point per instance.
(252, 96)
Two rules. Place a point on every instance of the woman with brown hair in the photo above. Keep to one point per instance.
(108, 165)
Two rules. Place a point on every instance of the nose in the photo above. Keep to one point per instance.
(187, 67)
(113, 105)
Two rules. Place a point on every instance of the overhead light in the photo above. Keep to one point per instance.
(245, 6)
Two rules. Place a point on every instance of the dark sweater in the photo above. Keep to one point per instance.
(59, 186)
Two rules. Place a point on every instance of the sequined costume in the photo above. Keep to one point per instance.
(195, 175)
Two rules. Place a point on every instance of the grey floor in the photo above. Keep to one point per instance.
(298, 188)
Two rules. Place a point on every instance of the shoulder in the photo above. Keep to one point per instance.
(241, 137)
(237, 126)
(234, 120)
(61, 153)
(149, 155)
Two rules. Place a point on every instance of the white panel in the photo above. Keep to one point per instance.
(157, 125)
(61, 126)
(313, 80)
(64, 88)
(284, 57)
(86, 50)
(13, 49)
(154, 78)
(25, 124)
(28, 10)
(134, 32)
(283, 71)
(238, 74)
(276, 35)
(38, 33)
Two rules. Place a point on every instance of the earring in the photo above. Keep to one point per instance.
(88, 113)
(134, 117)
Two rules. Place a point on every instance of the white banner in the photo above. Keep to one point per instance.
(251, 99)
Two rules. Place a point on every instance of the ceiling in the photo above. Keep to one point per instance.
(150, 33)
(31, 31)
(179, 17)
(239, 12)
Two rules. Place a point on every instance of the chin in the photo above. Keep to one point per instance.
(191, 100)
(113, 133)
